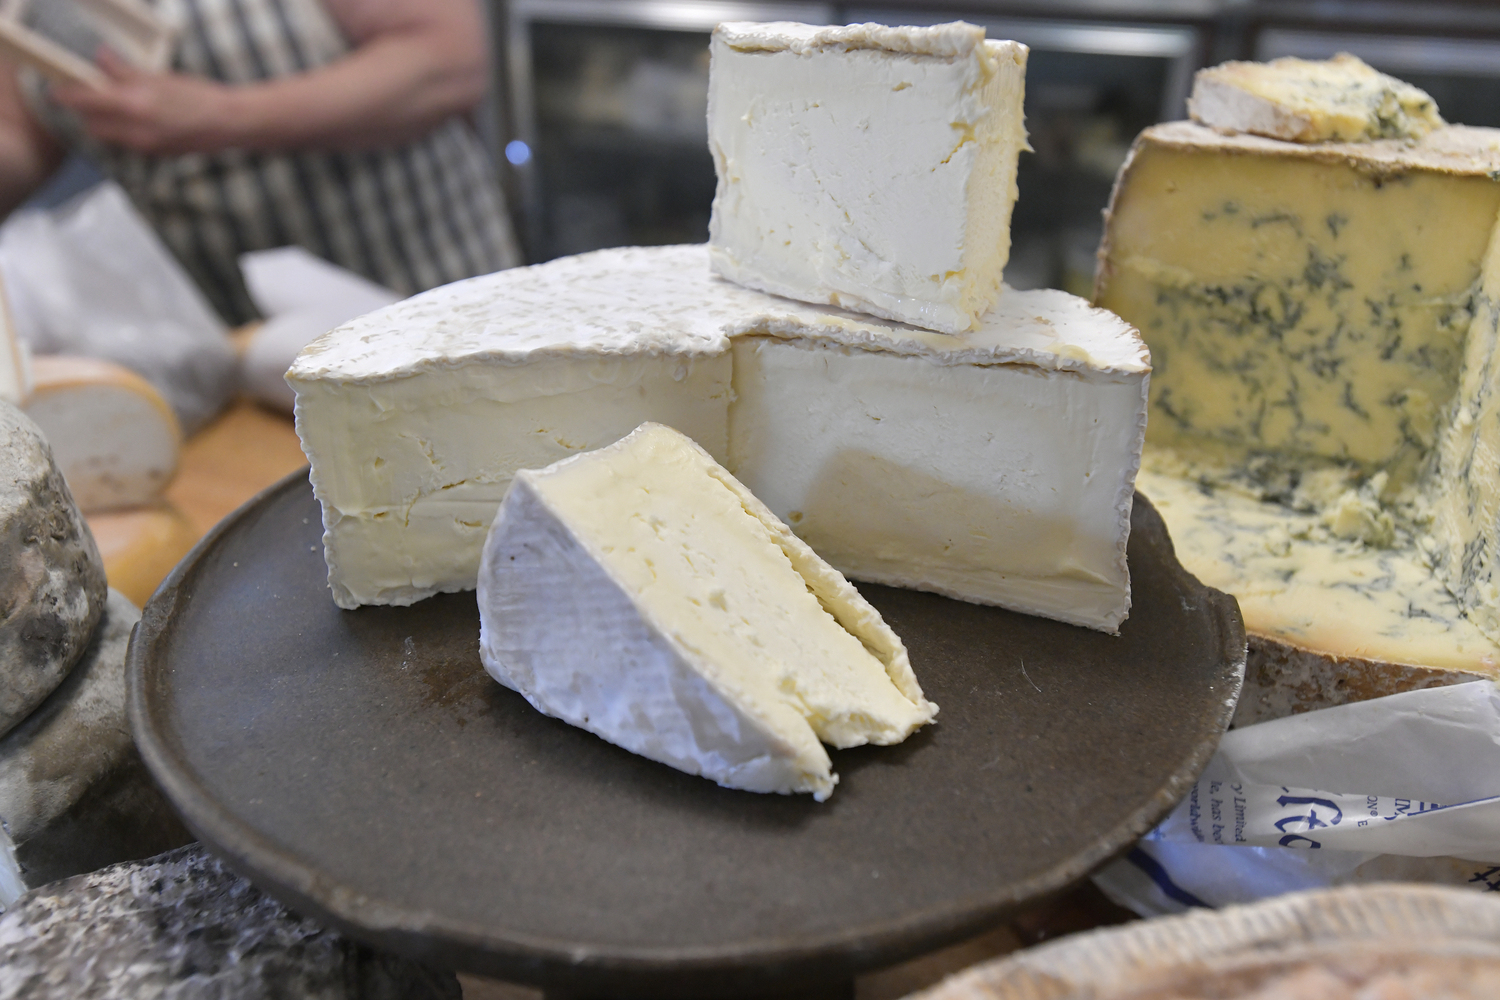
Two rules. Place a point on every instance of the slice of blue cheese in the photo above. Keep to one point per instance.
(1301, 100)
(641, 592)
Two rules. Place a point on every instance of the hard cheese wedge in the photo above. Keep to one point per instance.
(642, 593)
(869, 167)
(1309, 300)
(1339, 99)
(1317, 315)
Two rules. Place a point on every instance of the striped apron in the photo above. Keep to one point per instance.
(408, 217)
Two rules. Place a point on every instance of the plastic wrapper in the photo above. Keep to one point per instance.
(1404, 788)
(91, 278)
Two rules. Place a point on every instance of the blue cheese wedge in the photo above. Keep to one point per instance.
(994, 466)
(1339, 99)
(1322, 426)
(869, 167)
(1307, 300)
(642, 593)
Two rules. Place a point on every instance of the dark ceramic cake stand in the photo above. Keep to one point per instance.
(361, 766)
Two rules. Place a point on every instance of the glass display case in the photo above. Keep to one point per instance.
(1461, 74)
(609, 102)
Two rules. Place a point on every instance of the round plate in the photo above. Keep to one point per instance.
(361, 766)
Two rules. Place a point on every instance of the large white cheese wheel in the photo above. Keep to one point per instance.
(997, 468)
(52, 585)
(641, 592)
(114, 436)
(1323, 416)
(74, 794)
(416, 417)
(869, 167)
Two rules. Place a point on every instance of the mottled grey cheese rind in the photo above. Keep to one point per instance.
(1282, 679)
(181, 926)
(52, 586)
(74, 794)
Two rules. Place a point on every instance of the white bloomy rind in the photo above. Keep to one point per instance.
(867, 167)
(642, 593)
(996, 466)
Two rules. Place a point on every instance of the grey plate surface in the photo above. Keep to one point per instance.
(362, 767)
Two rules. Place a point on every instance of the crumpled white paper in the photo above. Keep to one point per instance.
(302, 297)
(1405, 787)
(92, 278)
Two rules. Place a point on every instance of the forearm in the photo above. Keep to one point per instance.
(28, 153)
(388, 91)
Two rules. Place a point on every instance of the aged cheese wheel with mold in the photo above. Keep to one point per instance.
(74, 794)
(52, 583)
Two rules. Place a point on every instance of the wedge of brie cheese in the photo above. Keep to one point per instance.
(642, 593)
(869, 167)
(996, 466)
(1339, 99)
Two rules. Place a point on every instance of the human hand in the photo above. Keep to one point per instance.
(161, 114)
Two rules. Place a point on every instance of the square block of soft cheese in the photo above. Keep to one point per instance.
(416, 416)
(869, 167)
(996, 467)
(642, 593)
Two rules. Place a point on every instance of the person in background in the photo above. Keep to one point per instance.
(337, 125)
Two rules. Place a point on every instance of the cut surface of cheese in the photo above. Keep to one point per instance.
(641, 592)
(1301, 584)
(1339, 99)
(1304, 300)
(1464, 489)
(1322, 432)
(114, 436)
(415, 419)
(998, 466)
(865, 166)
